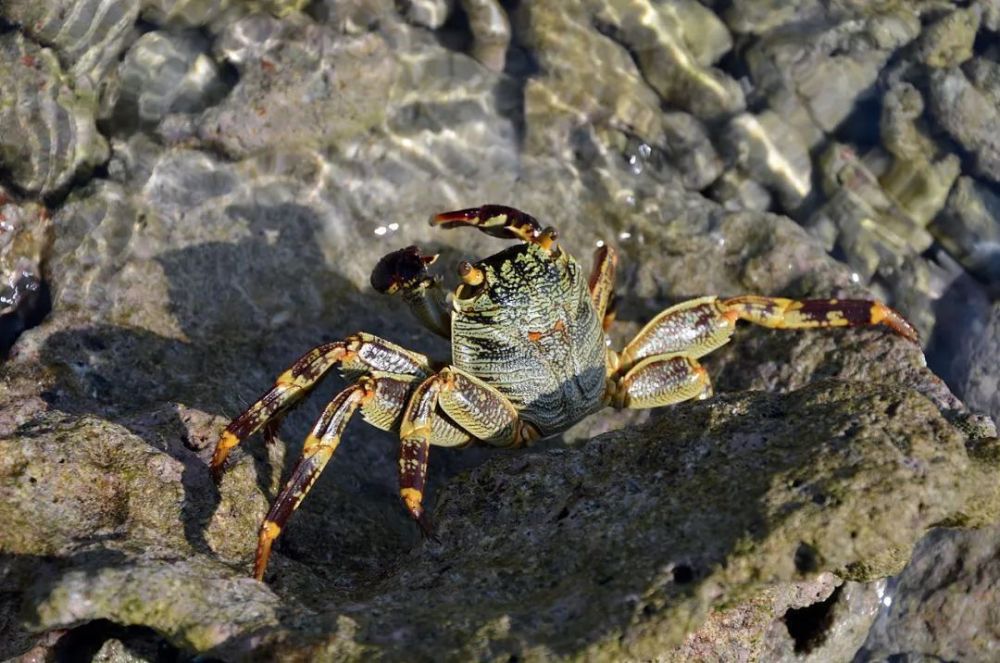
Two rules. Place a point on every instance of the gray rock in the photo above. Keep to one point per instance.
(969, 117)
(765, 146)
(47, 130)
(658, 35)
(164, 73)
(300, 82)
(214, 14)
(939, 607)
(979, 381)
(969, 228)
(88, 37)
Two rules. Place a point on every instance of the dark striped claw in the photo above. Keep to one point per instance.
(495, 220)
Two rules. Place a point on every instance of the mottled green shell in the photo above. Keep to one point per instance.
(531, 331)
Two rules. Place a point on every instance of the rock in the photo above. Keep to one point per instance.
(656, 34)
(939, 606)
(736, 190)
(164, 73)
(39, 107)
(825, 67)
(24, 236)
(689, 149)
(969, 228)
(948, 41)
(765, 146)
(214, 14)
(979, 374)
(87, 36)
(490, 31)
(921, 173)
(969, 118)
(299, 80)
(872, 229)
(551, 517)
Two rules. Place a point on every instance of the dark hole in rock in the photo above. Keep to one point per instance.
(809, 626)
(562, 514)
(85, 641)
(31, 303)
(683, 574)
(806, 559)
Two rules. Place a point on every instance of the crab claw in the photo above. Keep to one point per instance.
(496, 220)
(400, 269)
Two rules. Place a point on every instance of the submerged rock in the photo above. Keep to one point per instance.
(164, 73)
(969, 228)
(25, 234)
(87, 35)
(40, 109)
(969, 117)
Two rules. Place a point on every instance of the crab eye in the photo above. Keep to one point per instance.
(470, 274)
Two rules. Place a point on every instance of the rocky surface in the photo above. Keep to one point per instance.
(205, 190)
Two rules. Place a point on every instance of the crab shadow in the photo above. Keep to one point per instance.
(246, 311)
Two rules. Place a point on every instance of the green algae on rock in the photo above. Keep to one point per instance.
(622, 547)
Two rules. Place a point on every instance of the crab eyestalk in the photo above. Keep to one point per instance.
(470, 274)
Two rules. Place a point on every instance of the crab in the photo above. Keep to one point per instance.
(529, 359)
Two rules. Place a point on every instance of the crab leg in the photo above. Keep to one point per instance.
(477, 409)
(660, 380)
(360, 354)
(602, 284)
(698, 326)
(318, 449)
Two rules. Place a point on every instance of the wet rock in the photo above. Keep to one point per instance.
(939, 606)
(969, 117)
(759, 17)
(689, 149)
(871, 228)
(357, 16)
(557, 102)
(736, 190)
(979, 379)
(815, 74)
(490, 32)
(948, 41)
(969, 228)
(428, 13)
(87, 37)
(215, 14)
(657, 34)
(39, 107)
(300, 83)
(166, 73)
(921, 173)
(767, 147)
(24, 236)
